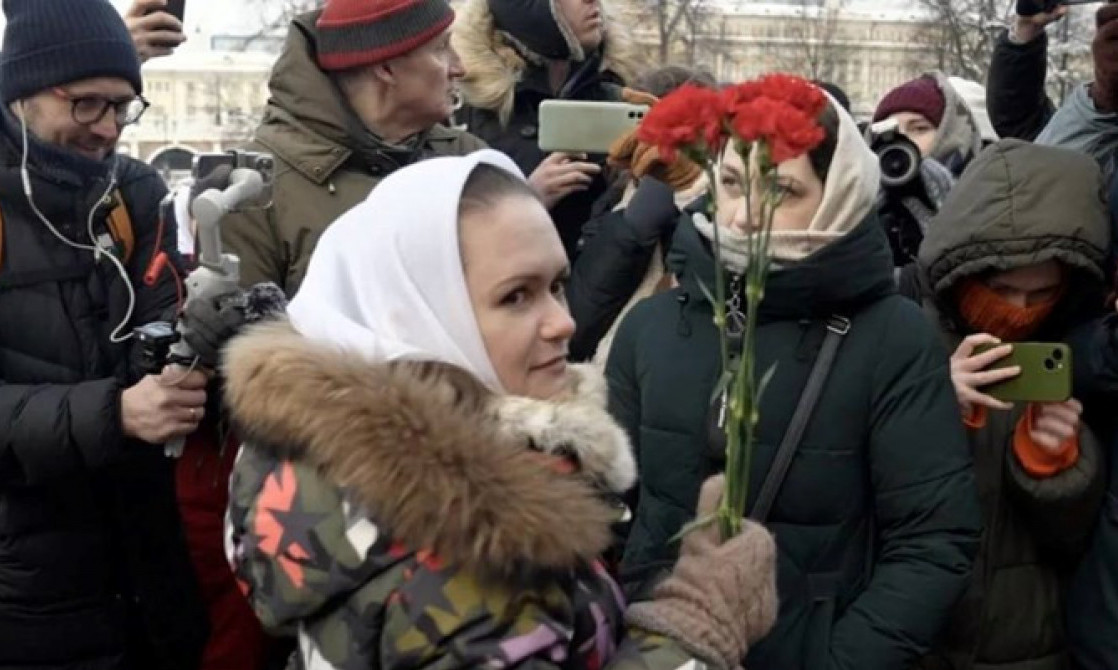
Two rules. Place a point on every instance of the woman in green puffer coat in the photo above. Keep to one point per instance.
(877, 521)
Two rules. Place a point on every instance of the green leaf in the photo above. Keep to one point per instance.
(722, 385)
(706, 292)
(765, 379)
(692, 526)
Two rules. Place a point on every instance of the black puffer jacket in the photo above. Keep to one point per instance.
(93, 568)
(1018, 105)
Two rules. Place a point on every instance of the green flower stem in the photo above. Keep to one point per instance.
(744, 397)
(719, 280)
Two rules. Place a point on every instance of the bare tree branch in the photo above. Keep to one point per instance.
(960, 35)
(274, 16)
(816, 32)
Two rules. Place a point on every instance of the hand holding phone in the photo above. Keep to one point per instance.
(1055, 423)
(560, 175)
(156, 26)
(969, 371)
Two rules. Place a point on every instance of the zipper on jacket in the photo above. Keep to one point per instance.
(683, 325)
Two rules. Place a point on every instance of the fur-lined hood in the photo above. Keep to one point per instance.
(437, 460)
(494, 65)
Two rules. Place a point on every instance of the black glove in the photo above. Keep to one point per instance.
(217, 178)
(208, 324)
(651, 214)
(1034, 7)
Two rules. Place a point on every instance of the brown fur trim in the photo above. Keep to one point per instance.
(493, 67)
(415, 444)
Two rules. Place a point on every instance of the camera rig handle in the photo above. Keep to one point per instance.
(217, 273)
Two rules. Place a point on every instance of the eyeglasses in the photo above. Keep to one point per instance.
(90, 109)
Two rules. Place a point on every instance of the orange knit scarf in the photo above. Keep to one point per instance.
(987, 312)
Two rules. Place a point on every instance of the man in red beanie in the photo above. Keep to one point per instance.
(360, 90)
(937, 120)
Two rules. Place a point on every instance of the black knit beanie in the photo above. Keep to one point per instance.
(53, 42)
(538, 25)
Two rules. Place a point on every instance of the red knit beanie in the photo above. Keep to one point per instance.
(921, 95)
(352, 33)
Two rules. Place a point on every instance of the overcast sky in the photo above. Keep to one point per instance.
(216, 16)
(211, 15)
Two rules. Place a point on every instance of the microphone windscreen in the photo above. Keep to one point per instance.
(264, 300)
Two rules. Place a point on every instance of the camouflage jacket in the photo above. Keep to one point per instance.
(393, 516)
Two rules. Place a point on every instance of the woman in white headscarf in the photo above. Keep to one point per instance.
(876, 519)
(425, 480)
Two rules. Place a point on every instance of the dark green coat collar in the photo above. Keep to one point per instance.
(840, 278)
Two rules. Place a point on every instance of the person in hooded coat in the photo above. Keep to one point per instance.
(1092, 602)
(931, 113)
(518, 53)
(877, 521)
(1017, 254)
(425, 480)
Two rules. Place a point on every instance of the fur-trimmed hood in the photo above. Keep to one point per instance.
(437, 460)
(495, 62)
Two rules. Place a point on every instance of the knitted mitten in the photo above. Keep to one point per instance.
(720, 598)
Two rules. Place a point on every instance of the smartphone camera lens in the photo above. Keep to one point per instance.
(1049, 364)
(1058, 354)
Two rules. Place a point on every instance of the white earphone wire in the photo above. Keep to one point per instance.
(115, 337)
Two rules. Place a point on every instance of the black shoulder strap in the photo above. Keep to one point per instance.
(837, 328)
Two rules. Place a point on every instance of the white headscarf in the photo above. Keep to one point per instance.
(386, 278)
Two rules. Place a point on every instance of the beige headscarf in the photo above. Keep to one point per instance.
(849, 195)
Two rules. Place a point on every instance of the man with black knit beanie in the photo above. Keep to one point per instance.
(94, 573)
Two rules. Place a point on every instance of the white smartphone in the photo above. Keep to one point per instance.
(586, 127)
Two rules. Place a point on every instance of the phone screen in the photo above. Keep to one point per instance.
(176, 8)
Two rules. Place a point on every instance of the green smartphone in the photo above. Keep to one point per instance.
(1045, 373)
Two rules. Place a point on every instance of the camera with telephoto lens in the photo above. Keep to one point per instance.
(212, 170)
(898, 156)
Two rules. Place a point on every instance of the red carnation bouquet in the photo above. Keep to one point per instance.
(767, 121)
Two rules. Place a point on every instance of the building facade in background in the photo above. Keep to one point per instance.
(211, 94)
(202, 100)
(865, 46)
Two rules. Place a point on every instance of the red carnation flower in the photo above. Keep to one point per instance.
(688, 119)
(740, 94)
(797, 92)
(756, 119)
(796, 134)
(787, 131)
